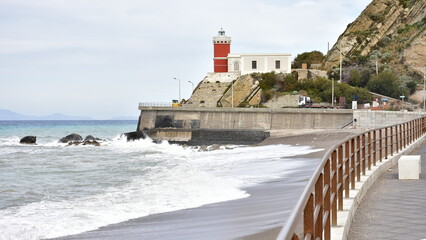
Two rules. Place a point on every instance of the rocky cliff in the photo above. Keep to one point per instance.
(387, 31)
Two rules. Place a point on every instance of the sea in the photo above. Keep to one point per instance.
(51, 189)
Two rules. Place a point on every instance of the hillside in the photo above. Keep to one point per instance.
(389, 32)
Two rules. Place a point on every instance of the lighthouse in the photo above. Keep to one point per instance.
(222, 47)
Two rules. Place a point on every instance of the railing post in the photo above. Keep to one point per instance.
(340, 180)
(391, 140)
(386, 143)
(358, 158)
(326, 199)
(352, 170)
(319, 186)
(398, 138)
(404, 131)
(334, 182)
(381, 144)
(308, 217)
(375, 147)
(364, 154)
(347, 168)
(369, 150)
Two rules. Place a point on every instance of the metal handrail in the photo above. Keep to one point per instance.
(155, 104)
(337, 172)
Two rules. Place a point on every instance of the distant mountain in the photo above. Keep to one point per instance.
(10, 115)
(125, 118)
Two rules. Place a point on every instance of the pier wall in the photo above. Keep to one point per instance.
(242, 118)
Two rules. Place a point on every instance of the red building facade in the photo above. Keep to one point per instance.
(222, 47)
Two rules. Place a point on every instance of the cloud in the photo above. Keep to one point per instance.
(132, 49)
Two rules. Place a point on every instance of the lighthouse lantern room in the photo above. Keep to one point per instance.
(222, 47)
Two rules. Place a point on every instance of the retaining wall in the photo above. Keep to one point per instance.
(377, 119)
(242, 118)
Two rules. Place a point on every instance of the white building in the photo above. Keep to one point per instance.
(259, 62)
(227, 62)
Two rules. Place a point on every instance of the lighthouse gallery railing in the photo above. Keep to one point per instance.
(342, 165)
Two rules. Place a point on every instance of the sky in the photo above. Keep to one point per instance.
(100, 58)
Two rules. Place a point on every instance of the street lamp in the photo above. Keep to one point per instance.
(340, 49)
(179, 86)
(192, 85)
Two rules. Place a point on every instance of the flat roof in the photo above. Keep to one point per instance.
(258, 54)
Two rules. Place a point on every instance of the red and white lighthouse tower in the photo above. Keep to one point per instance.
(222, 47)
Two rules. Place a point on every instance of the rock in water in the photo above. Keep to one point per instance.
(28, 140)
(89, 138)
(71, 138)
(131, 136)
(92, 142)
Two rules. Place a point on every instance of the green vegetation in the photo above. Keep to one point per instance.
(319, 89)
(407, 3)
(387, 83)
(309, 58)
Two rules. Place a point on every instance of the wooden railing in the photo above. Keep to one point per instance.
(340, 168)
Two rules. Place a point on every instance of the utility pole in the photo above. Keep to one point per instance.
(192, 85)
(340, 63)
(332, 92)
(179, 87)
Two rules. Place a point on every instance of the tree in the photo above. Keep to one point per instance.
(309, 58)
(354, 78)
(388, 84)
(411, 85)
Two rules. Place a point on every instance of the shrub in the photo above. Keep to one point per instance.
(309, 58)
(411, 85)
(388, 84)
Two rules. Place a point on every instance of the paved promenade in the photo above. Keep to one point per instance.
(392, 208)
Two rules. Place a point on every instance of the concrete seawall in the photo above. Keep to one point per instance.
(242, 118)
(192, 125)
(376, 119)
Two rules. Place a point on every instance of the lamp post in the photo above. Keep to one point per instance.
(179, 86)
(192, 85)
(340, 75)
(232, 94)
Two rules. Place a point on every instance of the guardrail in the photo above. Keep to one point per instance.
(342, 165)
(155, 104)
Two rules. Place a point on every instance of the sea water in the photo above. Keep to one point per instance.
(51, 189)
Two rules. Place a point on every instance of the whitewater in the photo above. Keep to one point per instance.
(50, 189)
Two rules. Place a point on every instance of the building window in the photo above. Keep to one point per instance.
(236, 66)
(253, 64)
(277, 64)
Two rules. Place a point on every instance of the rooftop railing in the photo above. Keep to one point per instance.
(316, 211)
(155, 104)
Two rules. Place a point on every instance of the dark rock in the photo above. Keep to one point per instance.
(28, 140)
(157, 141)
(74, 143)
(89, 138)
(92, 142)
(71, 138)
(131, 136)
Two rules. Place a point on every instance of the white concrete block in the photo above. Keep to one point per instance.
(409, 167)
